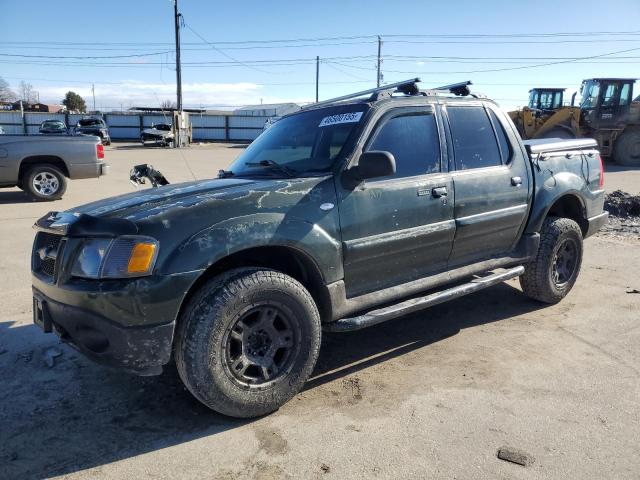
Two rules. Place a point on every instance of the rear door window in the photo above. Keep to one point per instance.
(413, 140)
(474, 142)
(503, 141)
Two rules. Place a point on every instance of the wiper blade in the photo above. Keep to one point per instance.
(274, 166)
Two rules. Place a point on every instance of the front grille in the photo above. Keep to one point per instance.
(45, 252)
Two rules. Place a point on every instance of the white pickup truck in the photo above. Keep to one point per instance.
(41, 164)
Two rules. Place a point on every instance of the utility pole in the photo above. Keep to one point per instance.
(93, 92)
(317, 76)
(178, 71)
(379, 60)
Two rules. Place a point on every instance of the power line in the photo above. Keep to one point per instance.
(86, 57)
(348, 82)
(221, 52)
(359, 37)
(510, 42)
(607, 58)
(573, 60)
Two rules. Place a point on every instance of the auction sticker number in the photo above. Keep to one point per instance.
(351, 117)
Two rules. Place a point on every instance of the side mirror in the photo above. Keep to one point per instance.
(375, 164)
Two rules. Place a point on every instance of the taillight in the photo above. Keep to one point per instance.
(601, 184)
(100, 150)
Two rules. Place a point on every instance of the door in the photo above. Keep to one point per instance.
(399, 228)
(491, 181)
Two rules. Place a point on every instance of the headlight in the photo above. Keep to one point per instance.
(122, 257)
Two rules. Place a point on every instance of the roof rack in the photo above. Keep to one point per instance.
(408, 87)
(460, 89)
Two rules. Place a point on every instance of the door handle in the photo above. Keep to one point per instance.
(516, 181)
(438, 192)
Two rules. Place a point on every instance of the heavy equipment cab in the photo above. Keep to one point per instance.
(606, 101)
(608, 114)
(546, 98)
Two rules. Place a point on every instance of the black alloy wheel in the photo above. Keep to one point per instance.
(260, 345)
(565, 262)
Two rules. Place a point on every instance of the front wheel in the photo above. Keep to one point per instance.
(247, 341)
(627, 148)
(554, 271)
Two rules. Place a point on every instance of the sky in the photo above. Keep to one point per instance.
(251, 52)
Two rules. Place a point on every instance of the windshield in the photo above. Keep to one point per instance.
(590, 95)
(53, 125)
(304, 142)
(162, 126)
(89, 122)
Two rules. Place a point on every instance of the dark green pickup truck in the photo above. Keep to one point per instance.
(346, 214)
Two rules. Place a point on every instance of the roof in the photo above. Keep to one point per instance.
(267, 106)
(611, 79)
(160, 109)
(552, 89)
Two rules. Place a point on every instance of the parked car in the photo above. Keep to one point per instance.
(341, 216)
(94, 126)
(53, 127)
(41, 165)
(161, 134)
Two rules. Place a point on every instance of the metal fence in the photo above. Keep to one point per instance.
(124, 126)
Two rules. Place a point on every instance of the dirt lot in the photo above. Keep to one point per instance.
(431, 395)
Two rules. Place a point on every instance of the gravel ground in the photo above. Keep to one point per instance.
(624, 215)
(436, 394)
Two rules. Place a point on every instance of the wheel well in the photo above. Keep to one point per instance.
(569, 206)
(284, 259)
(42, 159)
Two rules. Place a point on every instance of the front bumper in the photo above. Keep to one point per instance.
(139, 350)
(596, 223)
(126, 323)
(155, 138)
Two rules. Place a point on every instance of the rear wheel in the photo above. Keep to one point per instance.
(247, 341)
(44, 182)
(554, 271)
(627, 148)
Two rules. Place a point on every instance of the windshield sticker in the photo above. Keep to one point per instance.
(351, 117)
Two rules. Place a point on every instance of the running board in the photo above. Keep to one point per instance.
(380, 315)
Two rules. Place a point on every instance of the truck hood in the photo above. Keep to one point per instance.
(137, 205)
(160, 133)
(177, 212)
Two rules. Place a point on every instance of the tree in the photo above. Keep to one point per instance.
(168, 105)
(74, 102)
(27, 93)
(6, 94)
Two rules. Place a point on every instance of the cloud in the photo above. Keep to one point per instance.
(135, 93)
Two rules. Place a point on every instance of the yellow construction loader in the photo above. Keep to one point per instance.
(606, 112)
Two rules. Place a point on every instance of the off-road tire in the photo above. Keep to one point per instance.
(213, 314)
(27, 182)
(627, 148)
(537, 282)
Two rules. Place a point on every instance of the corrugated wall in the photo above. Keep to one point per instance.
(127, 127)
